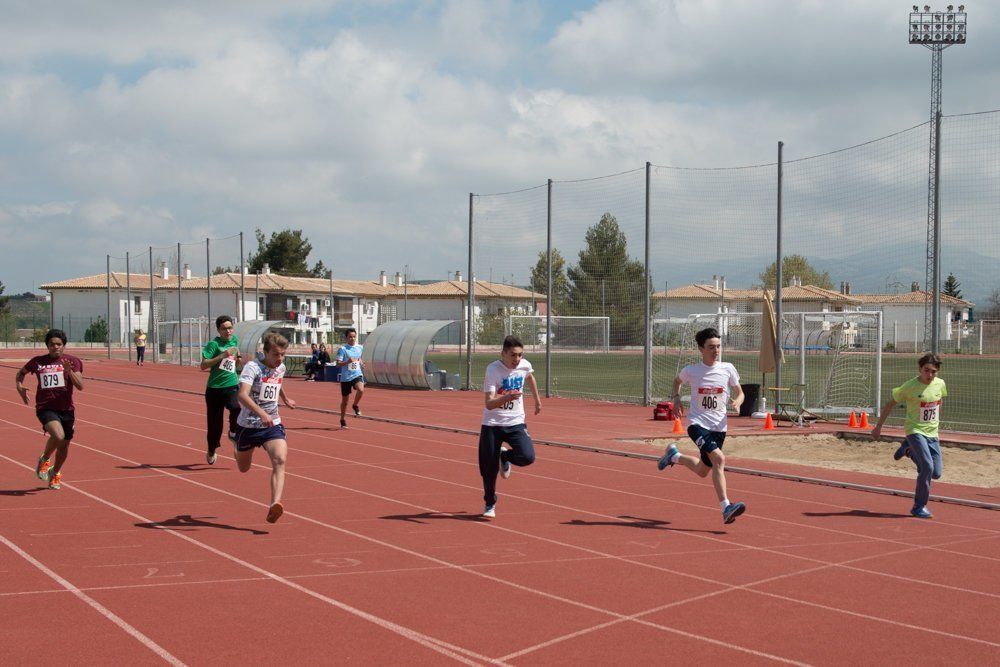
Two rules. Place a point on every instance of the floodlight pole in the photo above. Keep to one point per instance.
(936, 31)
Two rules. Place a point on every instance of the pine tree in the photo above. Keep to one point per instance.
(951, 287)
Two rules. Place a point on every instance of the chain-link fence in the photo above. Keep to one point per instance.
(853, 239)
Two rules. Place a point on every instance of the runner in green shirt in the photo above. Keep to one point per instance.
(922, 396)
(221, 357)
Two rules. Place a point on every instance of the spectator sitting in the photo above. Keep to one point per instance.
(313, 364)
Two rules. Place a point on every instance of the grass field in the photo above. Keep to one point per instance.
(973, 387)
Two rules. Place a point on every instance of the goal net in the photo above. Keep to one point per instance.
(180, 342)
(836, 355)
(585, 334)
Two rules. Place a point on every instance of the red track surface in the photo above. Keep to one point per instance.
(148, 554)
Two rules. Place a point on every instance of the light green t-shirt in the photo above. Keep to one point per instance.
(224, 373)
(923, 405)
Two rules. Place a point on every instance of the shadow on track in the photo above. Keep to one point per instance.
(21, 492)
(184, 467)
(863, 514)
(424, 517)
(642, 524)
(188, 522)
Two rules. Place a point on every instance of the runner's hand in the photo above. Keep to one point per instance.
(290, 403)
(266, 420)
(67, 365)
(23, 391)
(538, 408)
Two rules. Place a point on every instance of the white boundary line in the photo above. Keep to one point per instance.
(97, 606)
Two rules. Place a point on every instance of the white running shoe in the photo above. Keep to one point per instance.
(490, 511)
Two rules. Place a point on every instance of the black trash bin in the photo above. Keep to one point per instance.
(751, 394)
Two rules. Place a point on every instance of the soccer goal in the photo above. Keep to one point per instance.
(180, 342)
(569, 332)
(837, 355)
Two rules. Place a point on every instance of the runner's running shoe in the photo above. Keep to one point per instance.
(55, 481)
(275, 512)
(667, 458)
(490, 511)
(343, 423)
(732, 511)
(505, 468)
(357, 411)
(921, 513)
(42, 469)
(211, 457)
(901, 452)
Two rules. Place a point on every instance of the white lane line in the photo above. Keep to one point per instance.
(455, 652)
(97, 606)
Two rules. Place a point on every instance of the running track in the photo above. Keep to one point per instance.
(148, 555)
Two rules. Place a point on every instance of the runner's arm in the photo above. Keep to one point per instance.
(74, 377)
(738, 396)
(494, 400)
(533, 386)
(207, 364)
(19, 385)
(877, 431)
(676, 396)
(289, 402)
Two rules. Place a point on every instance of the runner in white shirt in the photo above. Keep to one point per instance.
(503, 419)
(259, 424)
(712, 383)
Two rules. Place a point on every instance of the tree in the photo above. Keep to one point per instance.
(607, 282)
(6, 320)
(950, 287)
(97, 332)
(991, 311)
(794, 265)
(287, 253)
(560, 283)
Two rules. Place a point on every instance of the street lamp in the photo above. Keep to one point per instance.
(936, 31)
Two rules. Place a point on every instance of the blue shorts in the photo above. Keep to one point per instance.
(248, 438)
(707, 441)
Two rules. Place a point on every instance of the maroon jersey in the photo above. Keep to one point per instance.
(55, 391)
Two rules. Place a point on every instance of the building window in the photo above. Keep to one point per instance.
(138, 305)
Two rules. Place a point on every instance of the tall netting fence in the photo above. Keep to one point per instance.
(598, 230)
(508, 259)
(854, 226)
(712, 236)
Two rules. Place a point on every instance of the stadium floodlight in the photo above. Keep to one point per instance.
(937, 31)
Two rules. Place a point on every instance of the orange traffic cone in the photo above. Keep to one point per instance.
(768, 423)
(677, 425)
(853, 422)
(864, 421)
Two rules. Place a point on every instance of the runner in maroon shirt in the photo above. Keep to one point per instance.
(58, 373)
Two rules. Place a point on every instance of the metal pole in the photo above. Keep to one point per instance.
(331, 311)
(936, 293)
(548, 293)
(128, 304)
(470, 304)
(242, 280)
(256, 296)
(208, 280)
(406, 287)
(878, 367)
(802, 349)
(895, 335)
(108, 277)
(980, 337)
(180, 313)
(778, 278)
(150, 320)
(647, 347)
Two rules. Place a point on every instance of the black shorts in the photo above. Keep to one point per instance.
(707, 441)
(346, 387)
(65, 417)
(248, 438)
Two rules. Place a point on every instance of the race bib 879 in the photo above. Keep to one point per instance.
(51, 379)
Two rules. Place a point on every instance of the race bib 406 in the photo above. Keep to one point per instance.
(711, 399)
(228, 365)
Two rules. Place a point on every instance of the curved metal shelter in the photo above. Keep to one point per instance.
(395, 352)
(251, 332)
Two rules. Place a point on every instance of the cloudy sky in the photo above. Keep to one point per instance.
(366, 124)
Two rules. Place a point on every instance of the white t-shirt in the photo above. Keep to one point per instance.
(265, 388)
(710, 393)
(502, 380)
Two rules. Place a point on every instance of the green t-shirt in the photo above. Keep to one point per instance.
(224, 373)
(923, 405)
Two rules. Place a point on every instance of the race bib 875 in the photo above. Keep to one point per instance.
(930, 411)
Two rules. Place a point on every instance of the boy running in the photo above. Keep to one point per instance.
(259, 422)
(221, 356)
(503, 419)
(712, 382)
(58, 374)
(352, 375)
(923, 396)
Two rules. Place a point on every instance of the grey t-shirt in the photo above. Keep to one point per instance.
(265, 387)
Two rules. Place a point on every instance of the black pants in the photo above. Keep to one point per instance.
(521, 453)
(140, 353)
(216, 401)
